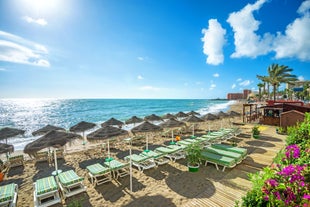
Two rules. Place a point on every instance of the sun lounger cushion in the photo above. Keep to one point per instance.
(69, 177)
(183, 142)
(7, 192)
(136, 158)
(114, 164)
(238, 157)
(239, 150)
(45, 185)
(219, 159)
(97, 169)
(176, 147)
(151, 153)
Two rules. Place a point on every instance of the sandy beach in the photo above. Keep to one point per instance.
(167, 185)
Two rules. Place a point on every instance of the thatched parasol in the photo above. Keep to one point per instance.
(52, 138)
(8, 132)
(193, 119)
(106, 133)
(46, 129)
(82, 126)
(112, 122)
(181, 115)
(234, 113)
(172, 123)
(222, 114)
(146, 127)
(209, 117)
(168, 116)
(153, 117)
(193, 113)
(6, 148)
(134, 120)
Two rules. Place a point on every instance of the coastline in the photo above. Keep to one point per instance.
(78, 156)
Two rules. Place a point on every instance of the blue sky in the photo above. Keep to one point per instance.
(147, 48)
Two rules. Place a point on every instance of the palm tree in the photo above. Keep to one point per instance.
(260, 85)
(280, 74)
(264, 79)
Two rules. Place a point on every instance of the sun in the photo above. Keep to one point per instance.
(42, 7)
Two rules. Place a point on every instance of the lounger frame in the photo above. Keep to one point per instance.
(12, 202)
(39, 199)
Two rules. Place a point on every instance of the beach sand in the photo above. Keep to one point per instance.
(167, 185)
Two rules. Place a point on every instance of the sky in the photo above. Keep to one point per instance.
(148, 49)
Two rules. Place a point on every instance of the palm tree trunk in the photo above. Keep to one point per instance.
(274, 92)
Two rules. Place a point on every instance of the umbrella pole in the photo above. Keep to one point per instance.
(108, 149)
(147, 142)
(56, 164)
(130, 168)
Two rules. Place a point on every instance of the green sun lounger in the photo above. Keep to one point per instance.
(119, 169)
(8, 195)
(141, 162)
(99, 174)
(236, 156)
(157, 156)
(239, 150)
(173, 153)
(46, 192)
(184, 142)
(218, 160)
(70, 183)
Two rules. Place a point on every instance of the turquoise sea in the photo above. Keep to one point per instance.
(32, 114)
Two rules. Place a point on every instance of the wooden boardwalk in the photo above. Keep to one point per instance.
(235, 183)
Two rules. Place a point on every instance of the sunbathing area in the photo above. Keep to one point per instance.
(93, 176)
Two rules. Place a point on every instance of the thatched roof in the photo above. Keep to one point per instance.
(134, 120)
(181, 114)
(53, 138)
(153, 117)
(193, 118)
(5, 148)
(82, 126)
(193, 113)
(234, 113)
(222, 114)
(46, 129)
(8, 132)
(106, 132)
(210, 117)
(172, 123)
(146, 127)
(168, 116)
(112, 122)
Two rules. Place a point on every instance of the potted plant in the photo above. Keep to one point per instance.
(255, 132)
(193, 156)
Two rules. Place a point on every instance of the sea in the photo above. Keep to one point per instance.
(33, 114)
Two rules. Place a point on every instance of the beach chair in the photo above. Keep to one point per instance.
(239, 150)
(141, 162)
(184, 142)
(4, 166)
(43, 156)
(236, 156)
(218, 160)
(70, 183)
(174, 153)
(99, 174)
(158, 157)
(16, 161)
(46, 192)
(8, 195)
(119, 169)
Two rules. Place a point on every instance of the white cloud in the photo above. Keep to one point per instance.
(216, 75)
(19, 50)
(149, 88)
(2, 69)
(239, 79)
(140, 77)
(301, 78)
(296, 40)
(39, 21)
(233, 86)
(212, 86)
(245, 83)
(140, 58)
(247, 43)
(213, 42)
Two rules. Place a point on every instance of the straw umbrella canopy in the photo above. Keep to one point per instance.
(222, 114)
(181, 115)
(234, 113)
(8, 132)
(105, 133)
(53, 138)
(193, 119)
(168, 116)
(210, 117)
(193, 113)
(46, 129)
(134, 120)
(6, 148)
(112, 122)
(82, 127)
(146, 127)
(172, 123)
(153, 117)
